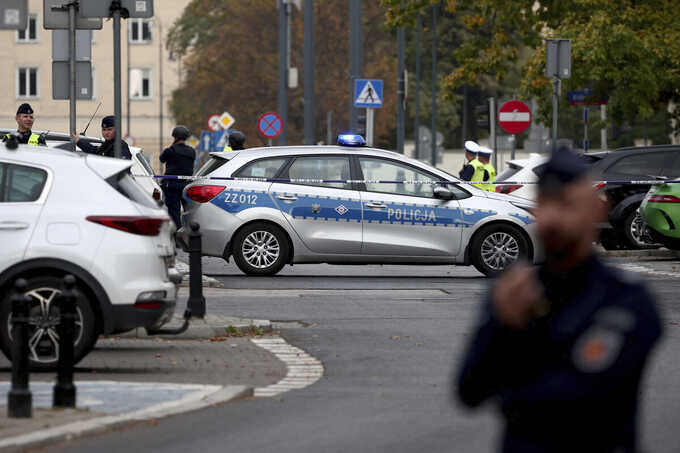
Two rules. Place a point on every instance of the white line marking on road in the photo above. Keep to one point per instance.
(647, 270)
(302, 369)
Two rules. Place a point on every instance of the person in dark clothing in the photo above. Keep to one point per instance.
(237, 140)
(106, 148)
(25, 121)
(179, 160)
(563, 348)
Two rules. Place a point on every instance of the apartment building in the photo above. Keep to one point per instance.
(149, 75)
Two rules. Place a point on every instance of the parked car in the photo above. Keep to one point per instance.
(625, 227)
(265, 225)
(522, 170)
(661, 211)
(140, 164)
(73, 213)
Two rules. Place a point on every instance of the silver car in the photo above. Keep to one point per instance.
(276, 211)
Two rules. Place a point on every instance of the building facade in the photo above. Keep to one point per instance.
(149, 75)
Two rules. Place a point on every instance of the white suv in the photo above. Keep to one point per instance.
(69, 213)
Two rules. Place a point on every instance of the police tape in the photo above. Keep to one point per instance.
(380, 181)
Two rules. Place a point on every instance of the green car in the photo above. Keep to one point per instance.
(661, 211)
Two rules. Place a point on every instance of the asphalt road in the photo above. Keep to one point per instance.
(388, 338)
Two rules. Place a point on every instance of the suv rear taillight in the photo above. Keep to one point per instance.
(203, 194)
(156, 195)
(664, 199)
(598, 186)
(143, 226)
(508, 188)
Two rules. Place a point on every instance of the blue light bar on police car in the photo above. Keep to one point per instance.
(351, 140)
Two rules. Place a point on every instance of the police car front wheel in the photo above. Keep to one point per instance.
(260, 249)
(496, 247)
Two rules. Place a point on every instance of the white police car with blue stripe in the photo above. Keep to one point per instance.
(349, 204)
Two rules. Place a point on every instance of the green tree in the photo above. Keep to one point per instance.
(626, 50)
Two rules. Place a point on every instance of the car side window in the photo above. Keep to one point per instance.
(263, 168)
(20, 183)
(321, 167)
(386, 170)
(643, 164)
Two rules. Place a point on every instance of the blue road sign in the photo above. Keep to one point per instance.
(368, 93)
(219, 140)
(206, 141)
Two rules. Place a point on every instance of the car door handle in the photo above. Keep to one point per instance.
(376, 205)
(13, 225)
(286, 197)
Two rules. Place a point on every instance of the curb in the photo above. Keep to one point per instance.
(192, 402)
(649, 253)
(207, 328)
(208, 282)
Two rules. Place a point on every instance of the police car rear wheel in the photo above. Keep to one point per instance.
(496, 247)
(260, 249)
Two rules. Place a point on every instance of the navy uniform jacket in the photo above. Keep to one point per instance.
(568, 382)
(106, 149)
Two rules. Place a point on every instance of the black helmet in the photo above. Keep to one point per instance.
(180, 133)
(236, 140)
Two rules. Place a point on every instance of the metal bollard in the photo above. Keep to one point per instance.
(196, 302)
(64, 392)
(19, 398)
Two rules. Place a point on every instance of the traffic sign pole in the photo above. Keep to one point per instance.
(369, 126)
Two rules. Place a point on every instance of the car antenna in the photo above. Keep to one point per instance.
(91, 118)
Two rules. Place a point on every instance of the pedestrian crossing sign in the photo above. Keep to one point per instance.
(368, 93)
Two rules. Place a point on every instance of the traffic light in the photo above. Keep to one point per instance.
(482, 115)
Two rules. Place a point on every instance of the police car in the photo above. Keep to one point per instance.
(350, 204)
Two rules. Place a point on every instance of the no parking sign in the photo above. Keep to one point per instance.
(270, 125)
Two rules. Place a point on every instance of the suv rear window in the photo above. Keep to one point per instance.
(213, 164)
(642, 164)
(20, 183)
(125, 184)
(508, 172)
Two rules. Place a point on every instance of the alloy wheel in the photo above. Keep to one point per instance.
(499, 250)
(261, 249)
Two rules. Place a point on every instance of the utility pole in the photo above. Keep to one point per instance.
(310, 101)
(283, 69)
(129, 49)
(400, 90)
(355, 58)
(435, 12)
(160, 88)
(117, 107)
(72, 68)
(416, 121)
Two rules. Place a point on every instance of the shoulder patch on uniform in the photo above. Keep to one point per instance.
(597, 349)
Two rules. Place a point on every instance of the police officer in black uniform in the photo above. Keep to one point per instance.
(24, 125)
(563, 347)
(179, 160)
(237, 140)
(106, 148)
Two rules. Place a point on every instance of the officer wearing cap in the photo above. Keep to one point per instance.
(562, 348)
(236, 141)
(106, 148)
(179, 161)
(24, 125)
(484, 156)
(473, 170)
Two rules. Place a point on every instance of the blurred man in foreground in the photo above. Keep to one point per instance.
(563, 347)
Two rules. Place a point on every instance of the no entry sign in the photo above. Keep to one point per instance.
(270, 125)
(514, 117)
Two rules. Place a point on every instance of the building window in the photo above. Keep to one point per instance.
(139, 30)
(140, 83)
(30, 34)
(27, 82)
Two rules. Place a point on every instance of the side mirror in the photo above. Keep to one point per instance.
(443, 193)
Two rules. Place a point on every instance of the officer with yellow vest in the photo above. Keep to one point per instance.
(484, 156)
(236, 141)
(473, 170)
(24, 124)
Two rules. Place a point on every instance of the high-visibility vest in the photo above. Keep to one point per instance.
(478, 175)
(32, 140)
(227, 148)
(492, 177)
